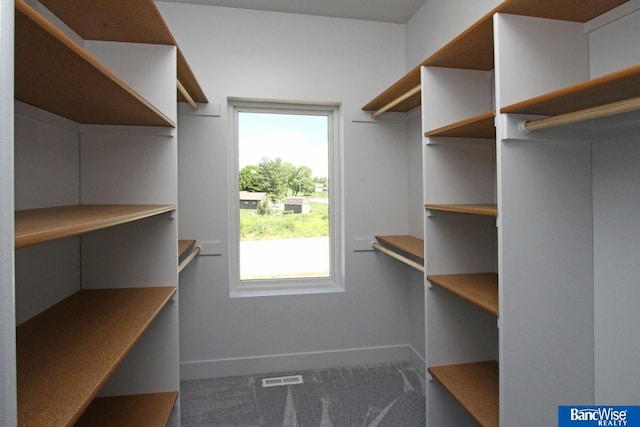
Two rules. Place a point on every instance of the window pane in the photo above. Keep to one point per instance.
(284, 195)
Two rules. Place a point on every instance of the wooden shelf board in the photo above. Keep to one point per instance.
(187, 252)
(55, 74)
(566, 10)
(402, 86)
(409, 244)
(35, 226)
(617, 86)
(189, 81)
(480, 289)
(184, 246)
(473, 48)
(149, 410)
(480, 126)
(475, 387)
(133, 21)
(66, 353)
(475, 209)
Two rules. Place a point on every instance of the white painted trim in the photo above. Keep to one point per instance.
(363, 244)
(8, 399)
(360, 116)
(204, 110)
(581, 133)
(57, 22)
(216, 368)
(128, 130)
(46, 117)
(418, 361)
(612, 16)
(335, 282)
(29, 111)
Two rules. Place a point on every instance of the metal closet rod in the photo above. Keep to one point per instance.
(618, 107)
(397, 256)
(187, 96)
(397, 101)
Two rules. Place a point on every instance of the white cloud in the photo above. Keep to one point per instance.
(296, 147)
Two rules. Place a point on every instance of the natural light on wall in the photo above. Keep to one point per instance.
(286, 231)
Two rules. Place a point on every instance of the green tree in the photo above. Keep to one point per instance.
(250, 179)
(278, 179)
(274, 178)
(300, 181)
(264, 207)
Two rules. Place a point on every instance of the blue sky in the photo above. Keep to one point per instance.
(297, 139)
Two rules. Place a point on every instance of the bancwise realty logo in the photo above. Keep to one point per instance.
(627, 416)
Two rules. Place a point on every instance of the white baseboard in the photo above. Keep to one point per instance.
(216, 368)
(418, 361)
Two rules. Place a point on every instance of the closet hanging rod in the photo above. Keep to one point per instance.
(397, 256)
(186, 95)
(194, 252)
(397, 101)
(618, 107)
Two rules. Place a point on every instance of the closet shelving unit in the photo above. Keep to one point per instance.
(187, 251)
(104, 350)
(480, 289)
(473, 209)
(622, 85)
(130, 410)
(481, 366)
(480, 126)
(578, 175)
(474, 386)
(61, 366)
(404, 248)
(137, 21)
(37, 226)
(473, 48)
(44, 58)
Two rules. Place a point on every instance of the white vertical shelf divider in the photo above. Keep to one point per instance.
(616, 172)
(136, 165)
(8, 411)
(545, 235)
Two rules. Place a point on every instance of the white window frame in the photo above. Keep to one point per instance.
(289, 286)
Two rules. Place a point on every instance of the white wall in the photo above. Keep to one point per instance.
(438, 22)
(240, 53)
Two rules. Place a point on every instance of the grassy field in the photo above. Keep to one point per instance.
(279, 225)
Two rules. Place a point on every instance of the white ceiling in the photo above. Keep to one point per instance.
(396, 11)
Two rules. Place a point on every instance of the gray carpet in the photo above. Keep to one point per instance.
(387, 395)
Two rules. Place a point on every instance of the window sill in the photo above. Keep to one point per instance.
(278, 288)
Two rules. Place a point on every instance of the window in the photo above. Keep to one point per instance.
(285, 198)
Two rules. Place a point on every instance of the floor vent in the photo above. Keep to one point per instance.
(276, 381)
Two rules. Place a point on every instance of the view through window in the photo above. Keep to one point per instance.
(285, 220)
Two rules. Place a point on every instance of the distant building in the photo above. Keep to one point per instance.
(249, 200)
(297, 204)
